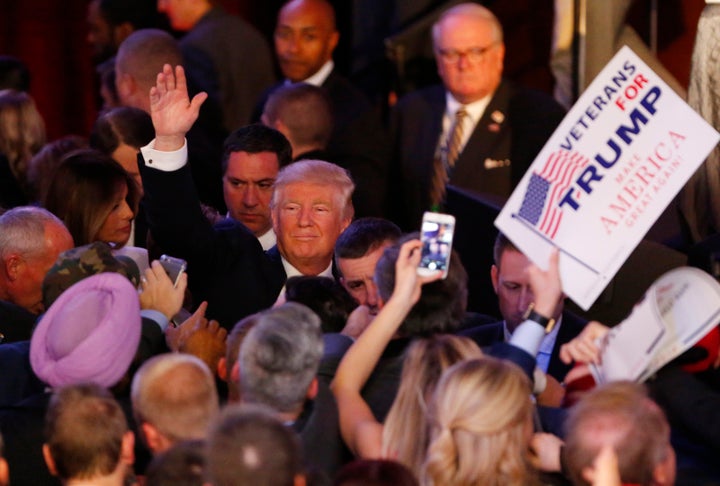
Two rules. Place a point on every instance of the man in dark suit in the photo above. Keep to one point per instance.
(512, 286)
(32, 239)
(305, 38)
(311, 205)
(502, 127)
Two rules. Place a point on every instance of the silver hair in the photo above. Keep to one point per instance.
(22, 230)
(280, 357)
(469, 10)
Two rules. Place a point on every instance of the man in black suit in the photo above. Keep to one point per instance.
(512, 286)
(311, 205)
(502, 126)
(305, 38)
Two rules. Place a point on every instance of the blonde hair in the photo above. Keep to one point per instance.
(22, 131)
(321, 173)
(405, 432)
(480, 419)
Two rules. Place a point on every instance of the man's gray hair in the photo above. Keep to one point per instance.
(321, 173)
(22, 230)
(280, 357)
(469, 10)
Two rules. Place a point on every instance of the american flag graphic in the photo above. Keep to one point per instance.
(547, 187)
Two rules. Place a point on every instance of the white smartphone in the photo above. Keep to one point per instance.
(174, 267)
(436, 235)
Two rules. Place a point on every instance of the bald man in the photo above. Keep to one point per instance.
(305, 39)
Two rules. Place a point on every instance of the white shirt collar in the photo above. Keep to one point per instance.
(548, 342)
(291, 271)
(268, 239)
(475, 109)
(320, 76)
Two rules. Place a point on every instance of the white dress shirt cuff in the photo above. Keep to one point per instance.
(528, 337)
(165, 161)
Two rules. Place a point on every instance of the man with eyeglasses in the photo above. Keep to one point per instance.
(477, 131)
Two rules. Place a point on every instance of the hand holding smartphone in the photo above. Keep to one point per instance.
(436, 235)
(174, 267)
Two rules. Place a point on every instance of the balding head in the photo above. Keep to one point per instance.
(469, 50)
(30, 241)
(175, 395)
(139, 60)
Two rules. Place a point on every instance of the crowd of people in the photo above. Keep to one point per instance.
(299, 344)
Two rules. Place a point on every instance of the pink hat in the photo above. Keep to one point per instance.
(89, 334)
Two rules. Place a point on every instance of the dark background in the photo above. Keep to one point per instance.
(49, 36)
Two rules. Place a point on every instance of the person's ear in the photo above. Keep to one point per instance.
(494, 277)
(14, 265)
(299, 480)
(127, 448)
(222, 369)
(312, 390)
(153, 438)
(49, 459)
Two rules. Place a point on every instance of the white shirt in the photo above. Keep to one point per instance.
(319, 77)
(291, 271)
(475, 111)
(545, 347)
(268, 239)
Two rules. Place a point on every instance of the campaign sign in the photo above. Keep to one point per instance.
(608, 172)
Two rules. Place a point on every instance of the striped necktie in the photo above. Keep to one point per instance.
(448, 155)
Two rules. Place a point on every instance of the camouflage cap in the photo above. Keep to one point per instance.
(82, 262)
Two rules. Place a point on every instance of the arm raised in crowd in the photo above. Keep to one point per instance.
(360, 430)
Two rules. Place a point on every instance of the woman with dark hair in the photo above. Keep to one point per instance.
(95, 197)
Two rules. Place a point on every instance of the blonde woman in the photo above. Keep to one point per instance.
(405, 432)
(22, 135)
(481, 426)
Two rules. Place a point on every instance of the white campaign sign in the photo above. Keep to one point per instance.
(607, 173)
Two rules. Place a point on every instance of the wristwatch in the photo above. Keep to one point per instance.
(547, 322)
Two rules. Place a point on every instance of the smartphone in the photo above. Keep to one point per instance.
(436, 235)
(174, 267)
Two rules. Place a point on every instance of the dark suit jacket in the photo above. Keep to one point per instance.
(226, 264)
(241, 65)
(16, 323)
(359, 143)
(489, 333)
(515, 125)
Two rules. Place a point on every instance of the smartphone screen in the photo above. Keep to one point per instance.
(436, 235)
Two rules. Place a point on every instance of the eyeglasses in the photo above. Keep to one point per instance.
(474, 54)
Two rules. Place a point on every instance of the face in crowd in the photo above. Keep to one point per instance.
(305, 38)
(469, 52)
(248, 186)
